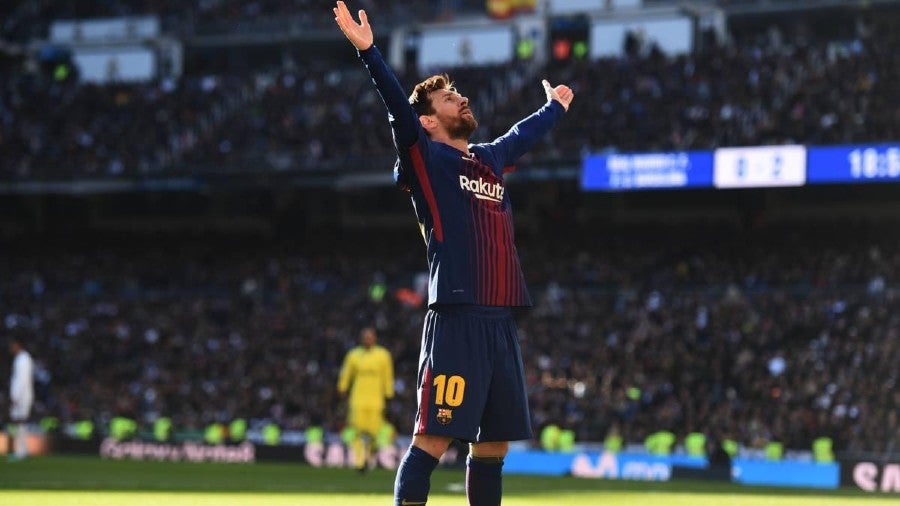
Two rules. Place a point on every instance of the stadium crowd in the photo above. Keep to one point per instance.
(28, 19)
(755, 336)
(300, 116)
(818, 93)
(63, 130)
(286, 119)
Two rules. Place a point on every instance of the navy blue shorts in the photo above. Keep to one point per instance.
(471, 383)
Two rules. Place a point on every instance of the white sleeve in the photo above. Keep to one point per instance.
(14, 380)
(20, 386)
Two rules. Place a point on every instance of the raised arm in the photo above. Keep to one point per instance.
(403, 118)
(524, 134)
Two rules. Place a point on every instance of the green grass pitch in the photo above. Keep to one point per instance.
(69, 481)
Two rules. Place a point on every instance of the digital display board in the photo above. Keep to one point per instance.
(644, 171)
(861, 163)
(743, 167)
(475, 45)
(760, 167)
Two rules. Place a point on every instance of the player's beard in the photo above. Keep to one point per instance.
(464, 127)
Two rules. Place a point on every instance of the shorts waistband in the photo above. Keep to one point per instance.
(473, 310)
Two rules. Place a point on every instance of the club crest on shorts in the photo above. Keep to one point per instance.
(444, 416)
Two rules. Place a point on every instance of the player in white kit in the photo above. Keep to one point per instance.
(21, 395)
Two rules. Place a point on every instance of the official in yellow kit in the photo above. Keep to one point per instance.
(368, 375)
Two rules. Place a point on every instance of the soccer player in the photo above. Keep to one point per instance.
(21, 395)
(368, 374)
(471, 384)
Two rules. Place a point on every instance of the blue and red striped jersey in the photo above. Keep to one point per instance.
(460, 202)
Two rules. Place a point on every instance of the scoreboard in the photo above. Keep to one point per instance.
(743, 167)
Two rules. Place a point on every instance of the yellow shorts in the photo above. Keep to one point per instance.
(367, 420)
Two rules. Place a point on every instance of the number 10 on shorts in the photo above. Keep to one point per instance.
(449, 391)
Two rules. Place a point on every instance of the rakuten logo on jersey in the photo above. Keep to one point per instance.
(484, 190)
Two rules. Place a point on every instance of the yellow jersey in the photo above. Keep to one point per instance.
(369, 376)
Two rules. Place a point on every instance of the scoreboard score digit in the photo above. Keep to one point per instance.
(760, 167)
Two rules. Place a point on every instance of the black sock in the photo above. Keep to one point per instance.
(484, 480)
(414, 477)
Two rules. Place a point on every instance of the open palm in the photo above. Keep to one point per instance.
(359, 34)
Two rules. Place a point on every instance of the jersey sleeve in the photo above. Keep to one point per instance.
(347, 372)
(22, 375)
(509, 147)
(388, 375)
(15, 380)
(404, 122)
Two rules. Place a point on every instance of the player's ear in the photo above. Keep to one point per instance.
(428, 121)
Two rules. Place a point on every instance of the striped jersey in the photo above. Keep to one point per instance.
(460, 201)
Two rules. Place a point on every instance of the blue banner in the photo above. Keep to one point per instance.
(537, 462)
(645, 171)
(646, 467)
(786, 473)
(613, 466)
(860, 163)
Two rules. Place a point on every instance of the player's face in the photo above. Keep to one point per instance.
(368, 337)
(452, 111)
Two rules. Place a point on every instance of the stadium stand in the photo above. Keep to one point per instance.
(790, 339)
(772, 90)
(28, 19)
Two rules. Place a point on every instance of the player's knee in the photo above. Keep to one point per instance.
(433, 445)
(490, 449)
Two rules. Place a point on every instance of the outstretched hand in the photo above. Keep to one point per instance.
(359, 34)
(562, 93)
